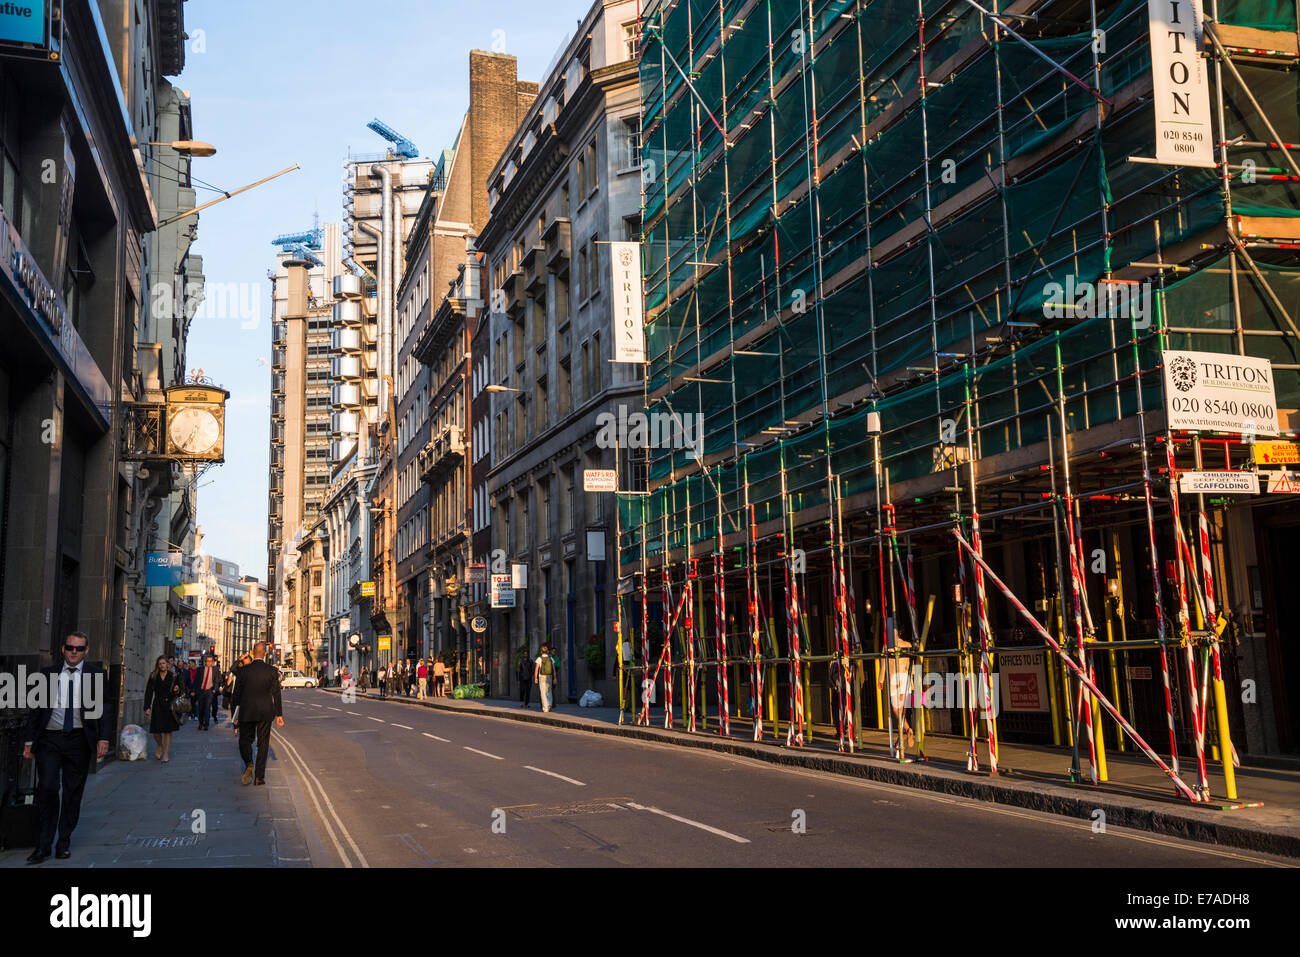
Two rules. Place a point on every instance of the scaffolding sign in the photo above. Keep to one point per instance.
(1214, 391)
(1180, 85)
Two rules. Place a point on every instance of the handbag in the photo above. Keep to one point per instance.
(180, 705)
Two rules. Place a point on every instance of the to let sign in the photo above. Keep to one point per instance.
(1179, 84)
(502, 595)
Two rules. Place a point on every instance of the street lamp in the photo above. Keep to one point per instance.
(189, 147)
(500, 388)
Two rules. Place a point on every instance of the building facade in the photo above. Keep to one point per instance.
(567, 185)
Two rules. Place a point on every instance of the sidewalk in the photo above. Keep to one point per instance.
(142, 813)
(1138, 795)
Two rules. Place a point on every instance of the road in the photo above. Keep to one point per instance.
(391, 785)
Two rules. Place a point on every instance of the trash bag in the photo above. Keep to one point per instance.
(591, 699)
(133, 742)
(461, 692)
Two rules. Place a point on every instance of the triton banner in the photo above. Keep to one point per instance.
(629, 334)
(1180, 85)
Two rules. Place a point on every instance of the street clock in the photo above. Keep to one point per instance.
(196, 423)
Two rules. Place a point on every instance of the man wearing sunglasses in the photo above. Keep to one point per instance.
(61, 736)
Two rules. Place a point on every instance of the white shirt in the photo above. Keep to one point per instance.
(68, 677)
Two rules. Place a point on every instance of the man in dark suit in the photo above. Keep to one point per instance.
(62, 736)
(206, 682)
(257, 699)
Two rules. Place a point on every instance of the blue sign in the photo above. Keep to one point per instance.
(163, 569)
(23, 21)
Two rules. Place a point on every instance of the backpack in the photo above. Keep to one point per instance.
(548, 665)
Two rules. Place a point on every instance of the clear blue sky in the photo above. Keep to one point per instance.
(277, 83)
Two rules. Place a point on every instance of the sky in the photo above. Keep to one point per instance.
(274, 84)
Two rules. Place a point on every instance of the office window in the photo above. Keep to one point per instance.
(630, 38)
(593, 179)
(594, 284)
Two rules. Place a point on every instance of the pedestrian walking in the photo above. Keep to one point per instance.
(524, 672)
(422, 679)
(161, 691)
(543, 675)
(833, 679)
(61, 739)
(383, 682)
(440, 678)
(257, 697)
(192, 687)
(555, 662)
(364, 684)
(208, 681)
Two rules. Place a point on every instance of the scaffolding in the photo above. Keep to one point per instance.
(857, 219)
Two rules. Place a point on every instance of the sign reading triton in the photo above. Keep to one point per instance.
(1180, 86)
(23, 22)
(1216, 392)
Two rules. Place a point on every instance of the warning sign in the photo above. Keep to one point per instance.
(1219, 483)
(1283, 483)
(1277, 453)
(1023, 679)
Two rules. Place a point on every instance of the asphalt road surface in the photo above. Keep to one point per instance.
(391, 785)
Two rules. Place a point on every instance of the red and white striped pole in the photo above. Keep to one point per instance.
(755, 645)
(1077, 670)
(1185, 623)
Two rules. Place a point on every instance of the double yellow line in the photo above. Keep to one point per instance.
(316, 791)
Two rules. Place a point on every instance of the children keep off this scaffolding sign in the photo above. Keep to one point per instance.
(629, 334)
(1212, 391)
(1180, 84)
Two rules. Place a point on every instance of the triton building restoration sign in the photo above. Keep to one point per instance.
(1180, 84)
(629, 332)
(1215, 392)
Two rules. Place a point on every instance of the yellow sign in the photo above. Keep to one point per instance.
(367, 589)
(1277, 453)
(180, 632)
(385, 643)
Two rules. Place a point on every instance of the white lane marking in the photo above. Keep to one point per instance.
(380, 720)
(336, 709)
(435, 737)
(363, 731)
(308, 776)
(355, 714)
(405, 726)
(554, 775)
(686, 820)
(494, 757)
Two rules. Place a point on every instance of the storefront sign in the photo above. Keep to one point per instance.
(1180, 84)
(162, 569)
(476, 574)
(1023, 680)
(1218, 483)
(367, 589)
(629, 333)
(478, 624)
(385, 643)
(23, 22)
(1213, 391)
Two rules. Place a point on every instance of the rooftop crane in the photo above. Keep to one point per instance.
(401, 145)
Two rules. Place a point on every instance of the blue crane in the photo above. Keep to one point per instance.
(310, 238)
(401, 145)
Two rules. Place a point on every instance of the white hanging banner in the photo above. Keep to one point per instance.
(629, 317)
(1180, 84)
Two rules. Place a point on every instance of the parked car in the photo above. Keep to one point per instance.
(293, 678)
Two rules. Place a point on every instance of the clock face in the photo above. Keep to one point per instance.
(193, 430)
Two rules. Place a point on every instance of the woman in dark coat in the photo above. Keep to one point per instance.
(163, 687)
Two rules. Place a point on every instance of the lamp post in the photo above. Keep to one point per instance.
(189, 147)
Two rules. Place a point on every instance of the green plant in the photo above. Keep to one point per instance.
(595, 652)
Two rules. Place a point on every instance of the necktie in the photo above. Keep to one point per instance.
(68, 676)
